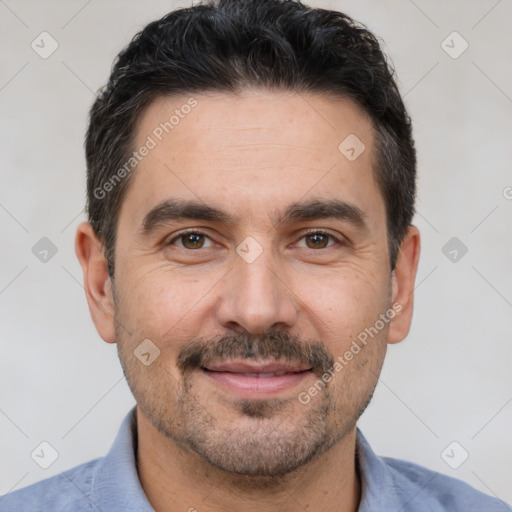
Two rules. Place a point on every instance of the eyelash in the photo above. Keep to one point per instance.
(199, 232)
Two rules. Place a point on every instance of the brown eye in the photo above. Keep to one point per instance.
(190, 240)
(318, 240)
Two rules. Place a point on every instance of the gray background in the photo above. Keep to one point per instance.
(449, 381)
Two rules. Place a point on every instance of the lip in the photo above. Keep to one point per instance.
(255, 367)
(256, 380)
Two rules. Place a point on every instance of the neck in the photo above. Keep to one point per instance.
(176, 478)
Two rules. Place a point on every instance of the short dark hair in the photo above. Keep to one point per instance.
(229, 45)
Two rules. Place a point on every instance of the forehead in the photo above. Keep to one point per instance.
(307, 122)
(255, 148)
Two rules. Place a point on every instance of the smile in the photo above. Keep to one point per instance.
(255, 380)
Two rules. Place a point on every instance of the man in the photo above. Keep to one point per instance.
(251, 184)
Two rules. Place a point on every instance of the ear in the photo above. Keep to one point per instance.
(402, 286)
(97, 284)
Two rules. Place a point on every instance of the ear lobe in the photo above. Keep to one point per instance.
(97, 283)
(402, 285)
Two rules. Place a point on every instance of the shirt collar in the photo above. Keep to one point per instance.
(378, 488)
(116, 486)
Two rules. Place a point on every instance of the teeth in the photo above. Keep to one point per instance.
(265, 375)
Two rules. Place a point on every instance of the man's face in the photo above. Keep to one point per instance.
(257, 292)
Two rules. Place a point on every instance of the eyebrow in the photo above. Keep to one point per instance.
(179, 209)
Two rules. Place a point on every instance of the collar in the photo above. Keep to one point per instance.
(116, 485)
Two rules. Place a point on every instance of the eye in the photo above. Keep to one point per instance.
(318, 239)
(192, 239)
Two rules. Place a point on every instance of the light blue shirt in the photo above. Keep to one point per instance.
(111, 484)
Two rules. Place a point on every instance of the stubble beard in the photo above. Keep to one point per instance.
(272, 439)
(269, 439)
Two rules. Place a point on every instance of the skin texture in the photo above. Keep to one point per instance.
(251, 155)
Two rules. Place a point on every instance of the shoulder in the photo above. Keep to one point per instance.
(69, 490)
(395, 484)
(424, 489)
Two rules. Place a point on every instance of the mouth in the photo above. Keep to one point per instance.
(256, 379)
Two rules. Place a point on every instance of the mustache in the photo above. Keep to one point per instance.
(276, 346)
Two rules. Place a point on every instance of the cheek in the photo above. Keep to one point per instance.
(161, 303)
(344, 301)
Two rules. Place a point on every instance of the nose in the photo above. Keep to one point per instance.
(257, 297)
